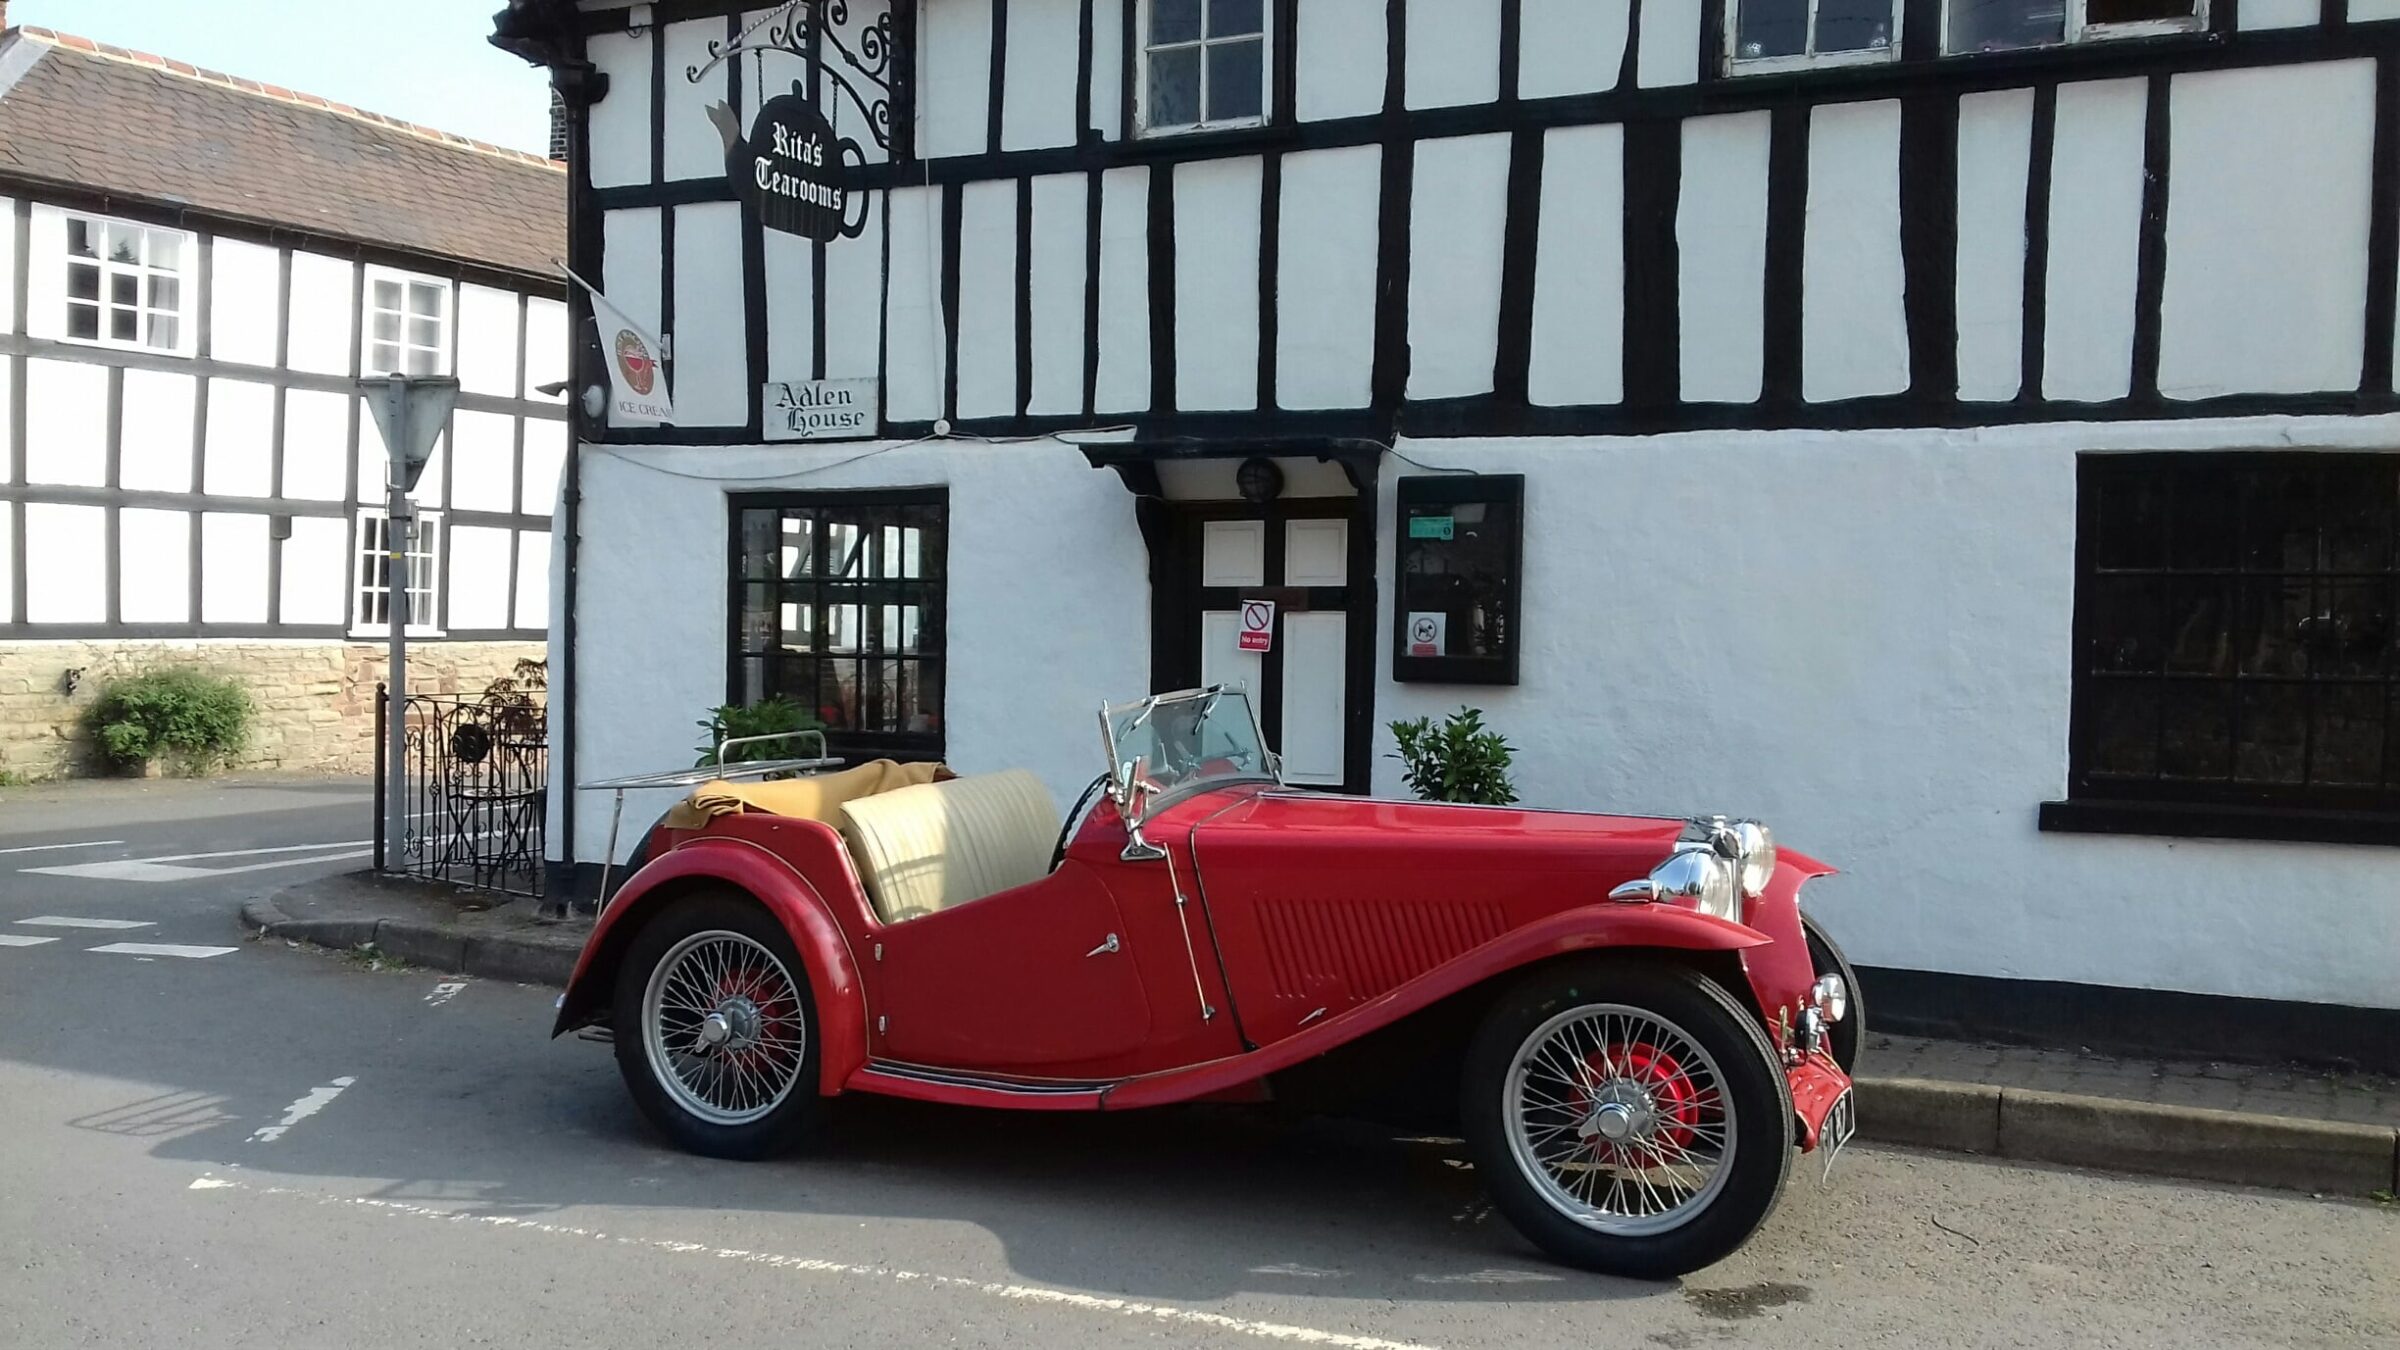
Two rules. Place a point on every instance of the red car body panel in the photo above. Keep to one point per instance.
(1281, 925)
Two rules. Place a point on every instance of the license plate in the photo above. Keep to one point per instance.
(1840, 1123)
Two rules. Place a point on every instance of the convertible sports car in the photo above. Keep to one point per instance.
(1635, 1022)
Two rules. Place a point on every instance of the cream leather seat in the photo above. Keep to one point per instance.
(921, 850)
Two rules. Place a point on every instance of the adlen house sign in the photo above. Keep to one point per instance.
(818, 410)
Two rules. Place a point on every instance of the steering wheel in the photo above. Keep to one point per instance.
(1075, 819)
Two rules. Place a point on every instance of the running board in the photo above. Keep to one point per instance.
(918, 1082)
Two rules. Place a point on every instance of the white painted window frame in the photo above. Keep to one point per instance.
(2078, 30)
(445, 340)
(1144, 49)
(187, 284)
(1812, 59)
(366, 579)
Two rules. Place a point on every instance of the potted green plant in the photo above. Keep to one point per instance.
(768, 717)
(1461, 760)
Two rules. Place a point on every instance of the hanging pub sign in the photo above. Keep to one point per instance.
(794, 169)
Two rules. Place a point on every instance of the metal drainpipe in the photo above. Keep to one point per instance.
(571, 501)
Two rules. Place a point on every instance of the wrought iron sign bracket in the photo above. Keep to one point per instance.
(809, 29)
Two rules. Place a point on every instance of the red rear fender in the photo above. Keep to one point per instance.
(739, 865)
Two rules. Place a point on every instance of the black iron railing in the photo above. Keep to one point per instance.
(476, 784)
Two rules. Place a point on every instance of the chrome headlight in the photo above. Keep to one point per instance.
(1702, 877)
(1758, 856)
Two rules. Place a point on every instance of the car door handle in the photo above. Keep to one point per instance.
(1112, 945)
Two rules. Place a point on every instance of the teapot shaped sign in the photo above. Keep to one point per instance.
(794, 169)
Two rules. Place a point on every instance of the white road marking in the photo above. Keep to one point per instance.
(211, 1184)
(315, 1100)
(63, 921)
(150, 949)
(23, 940)
(164, 868)
(1296, 1271)
(45, 848)
(444, 992)
(1492, 1277)
(1021, 1293)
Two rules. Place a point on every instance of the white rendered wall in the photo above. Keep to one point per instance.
(154, 566)
(1010, 701)
(1060, 269)
(1453, 53)
(1907, 734)
(1343, 51)
(1854, 319)
(1124, 380)
(712, 374)
(1216, 285)
(987, 299)
(1721, 250)
(1038, 86)
(1578, 351)
(1995, 153)
(1325, 278)
(239, 458)
(954, 77)
(154, 447)
(245, 304)
(487, 341)
(2095, 240)
(323, 305)
(1458, 220)
(1571, 47)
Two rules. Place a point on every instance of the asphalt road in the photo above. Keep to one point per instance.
(269, 1146)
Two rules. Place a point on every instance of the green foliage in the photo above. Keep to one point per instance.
(771, 717)
(1459, 761)
(181, 714)
(515, 700)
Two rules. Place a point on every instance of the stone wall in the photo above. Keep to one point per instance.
(315, 700)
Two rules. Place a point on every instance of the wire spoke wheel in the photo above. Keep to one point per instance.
(1619, 1119)
(723, 1021)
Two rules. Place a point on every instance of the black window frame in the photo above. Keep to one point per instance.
(932, 591)
(2234, 803)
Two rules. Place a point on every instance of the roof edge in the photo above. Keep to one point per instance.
(11, 70)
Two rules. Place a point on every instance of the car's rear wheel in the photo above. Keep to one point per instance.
(716, 1028)
(1627, 1118)
(1825, 957)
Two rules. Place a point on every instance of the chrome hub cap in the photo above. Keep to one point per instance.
(724, 1027)
(1619, 1119)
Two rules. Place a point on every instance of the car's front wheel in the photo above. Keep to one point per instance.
(716, 1031)
(1628, 1118)
(1825, 957)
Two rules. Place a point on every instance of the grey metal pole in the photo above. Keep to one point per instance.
(396, 541)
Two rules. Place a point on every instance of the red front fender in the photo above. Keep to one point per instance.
(1602, 927)
(737, 863)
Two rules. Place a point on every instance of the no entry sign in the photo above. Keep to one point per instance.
(1258, 626)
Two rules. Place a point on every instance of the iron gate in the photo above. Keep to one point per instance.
(476, 784)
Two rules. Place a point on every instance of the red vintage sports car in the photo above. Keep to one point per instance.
(1637, 1024)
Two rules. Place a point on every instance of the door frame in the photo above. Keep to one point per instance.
(1175, 532)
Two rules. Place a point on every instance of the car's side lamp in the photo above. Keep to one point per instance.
(1131, 791)
(1642, 892)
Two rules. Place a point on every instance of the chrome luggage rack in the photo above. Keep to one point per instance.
(687, 779)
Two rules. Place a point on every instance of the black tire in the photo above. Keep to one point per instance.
(1752, 1080)
(800, 1111)
(1825, 957)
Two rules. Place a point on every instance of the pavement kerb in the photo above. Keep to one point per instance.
(497, 957)
(2109, 1134)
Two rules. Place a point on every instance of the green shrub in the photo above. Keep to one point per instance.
(771, 717)
(187, 716)
(1458, 761)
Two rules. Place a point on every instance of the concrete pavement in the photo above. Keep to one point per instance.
(278, 1146)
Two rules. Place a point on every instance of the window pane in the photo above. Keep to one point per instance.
(2200, 627)
(2352, 628)
(166, 250)
(1854, 25)
(1999, 25)
(2131, 515)
(2206, 524)
(1175, 88)
(166, 293)
(425, 332)
(2273, 611)
(2197, 717)
(2349, 742)
(124, 288)
(83, 321)
(83, 239)
(1234, 18)
(1772, 28)
(2125, 728)
(383, 358)
(2128, 623)
(1174, 21)
(125, 325)
(2280, 506)
(83, 283)
(425, 299)
(124, 243)
(386, 326)
(423, 362)
(2362, 509)
(166, 331)
(387, 295)
(2274, 741)
(1236, 80)
(2136, 11)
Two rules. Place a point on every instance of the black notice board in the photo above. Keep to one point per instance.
(1457, 604)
